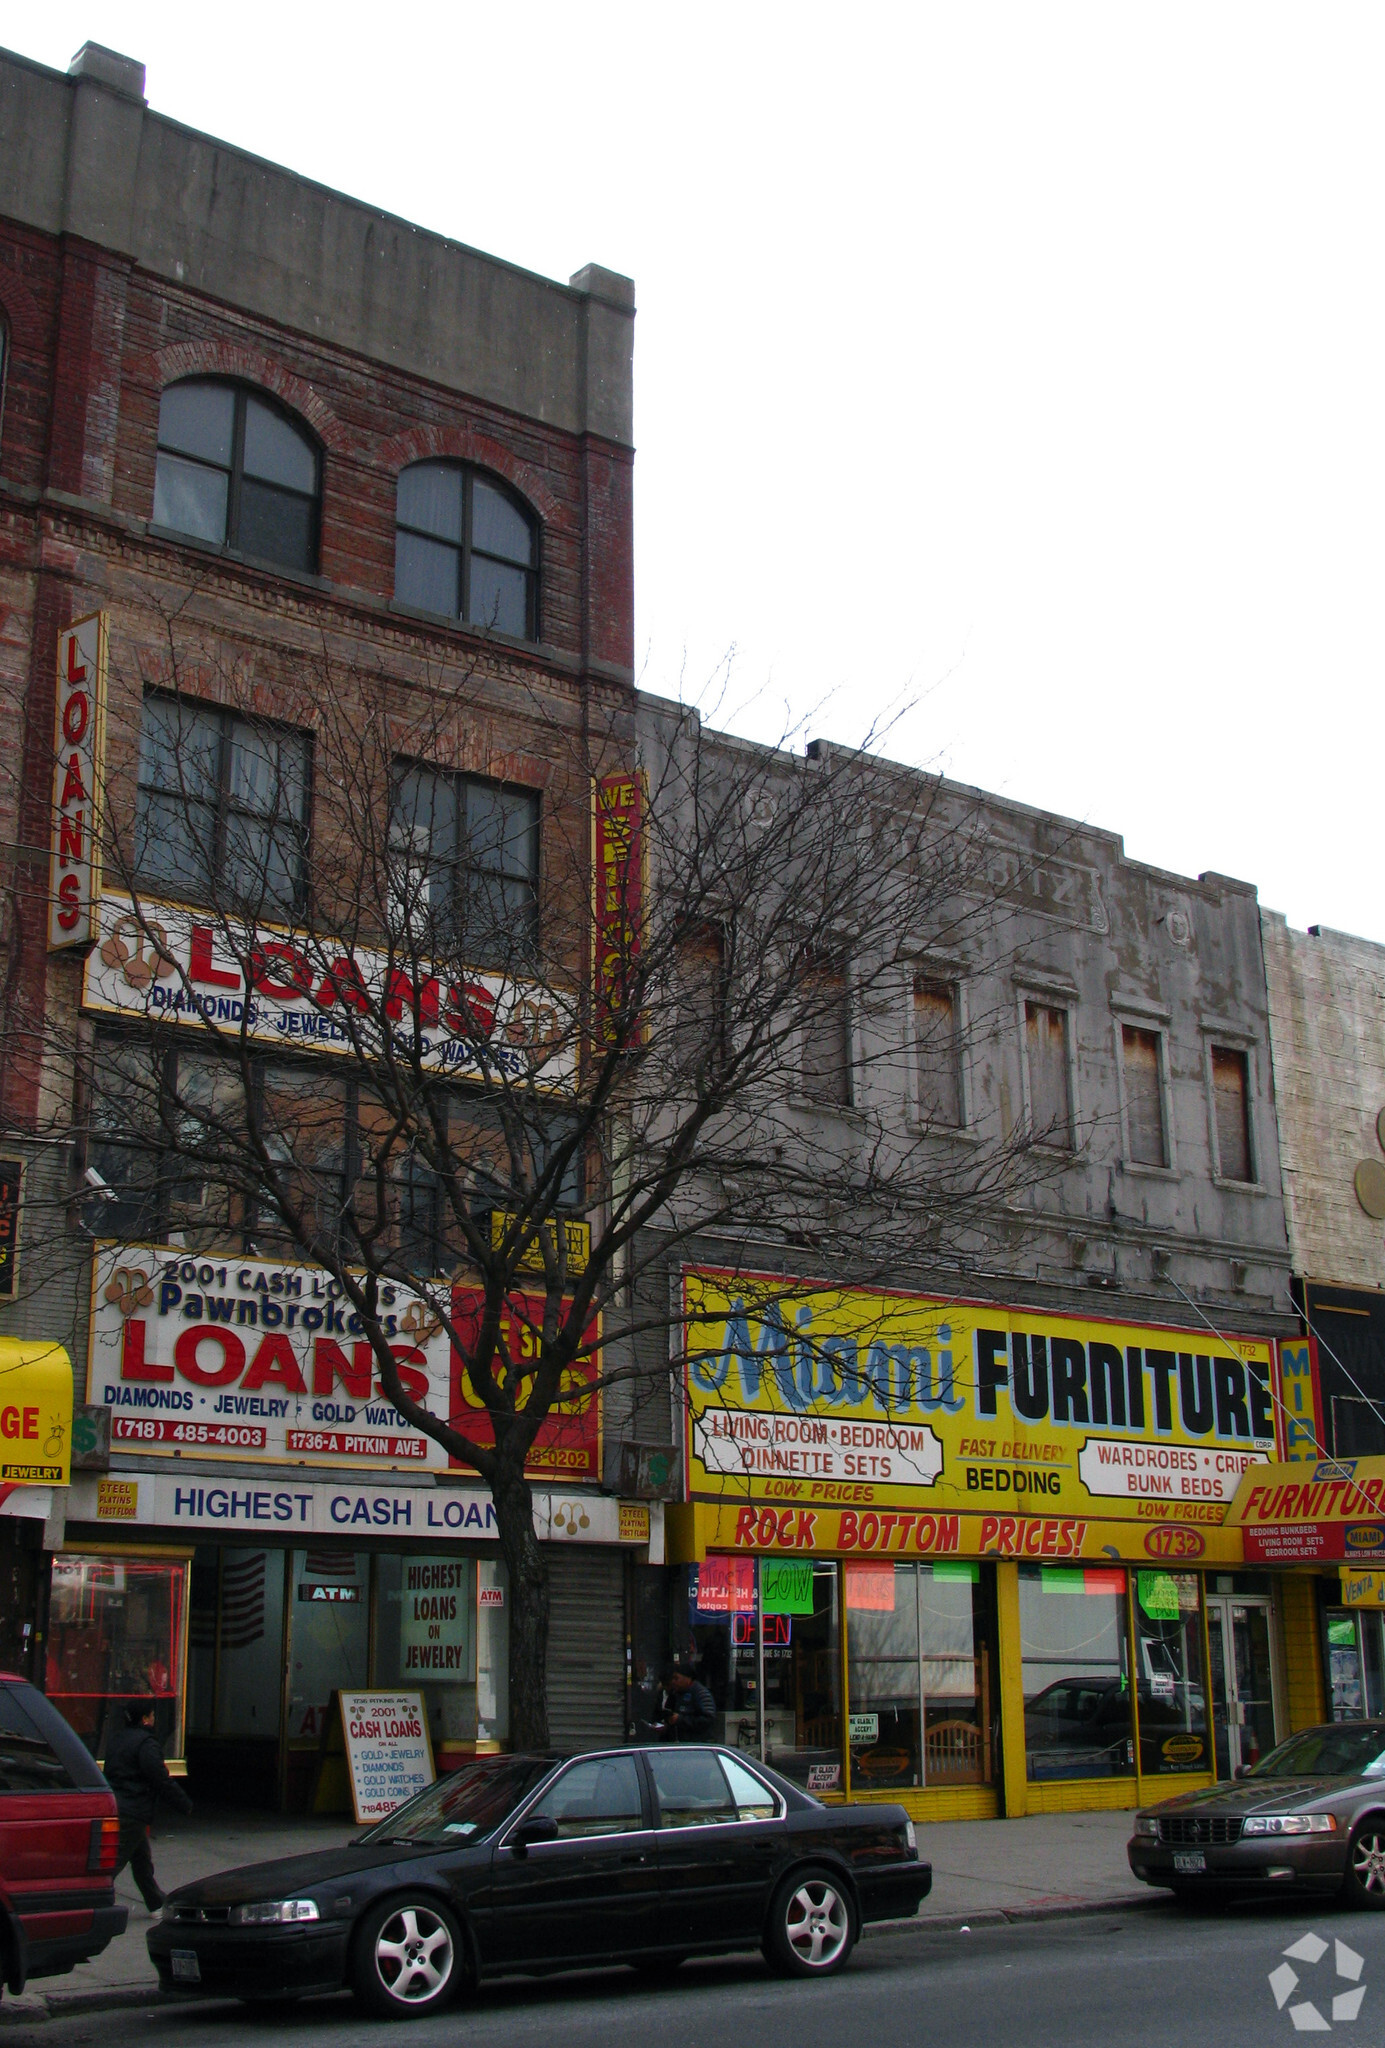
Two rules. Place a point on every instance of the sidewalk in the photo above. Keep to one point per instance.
(983, 1871)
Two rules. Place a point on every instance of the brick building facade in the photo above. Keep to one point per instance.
(249, 543)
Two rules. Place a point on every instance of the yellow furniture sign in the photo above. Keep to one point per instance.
(844, 1400)
(35, 1414)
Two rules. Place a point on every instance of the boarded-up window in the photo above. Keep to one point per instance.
(938, 1053)
(1144, 1096)
(1231, 1095)
(1050, 1097)
(826, 1032)
(699, 996)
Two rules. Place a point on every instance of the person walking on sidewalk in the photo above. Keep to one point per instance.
(139, 1777)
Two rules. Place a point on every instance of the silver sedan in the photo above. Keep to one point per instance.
(1309, 1817)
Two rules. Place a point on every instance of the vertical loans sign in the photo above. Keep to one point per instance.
(79, 751)
(618, 896)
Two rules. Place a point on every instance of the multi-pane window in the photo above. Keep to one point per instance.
(465, 857)
(825, 1032)
(167, 1142)
(1231, 1102)
(465, 547)
(699, 1019)
(235, 470)
(1144, 1096)
(223, 806)
(937, 1052)
(1050, 1083)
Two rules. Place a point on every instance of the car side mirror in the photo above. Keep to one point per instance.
(538, 1827)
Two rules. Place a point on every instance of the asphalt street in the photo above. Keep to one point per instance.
(1154, 1975)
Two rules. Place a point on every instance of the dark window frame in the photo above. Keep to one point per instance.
(928, 981)
(464, 547)
(225, 807)
(463, 870)
(1240, 1057)
(1051, 1136)
(235, 475)
(256, 1226)
(1140, 1027)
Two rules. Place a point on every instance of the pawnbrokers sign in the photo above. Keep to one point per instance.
(842, 1397)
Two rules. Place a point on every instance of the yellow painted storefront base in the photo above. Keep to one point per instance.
(941, 1802)
(1107, 1795)
(1298, 1610)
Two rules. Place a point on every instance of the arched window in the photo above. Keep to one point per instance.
(236, 470)
(466, 547)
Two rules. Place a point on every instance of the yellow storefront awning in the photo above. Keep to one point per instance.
(35, 1413)
(1328, 1512)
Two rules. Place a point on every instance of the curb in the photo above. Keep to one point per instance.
(37, 2007)
(1008, 1916)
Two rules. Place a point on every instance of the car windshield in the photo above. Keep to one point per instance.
(463, 1806)
(1348, 1751)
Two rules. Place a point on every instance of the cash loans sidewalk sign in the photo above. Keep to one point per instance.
(383, 1737)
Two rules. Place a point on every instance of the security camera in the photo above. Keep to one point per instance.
(100, 1186)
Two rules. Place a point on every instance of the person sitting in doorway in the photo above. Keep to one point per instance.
(139, 1777)
(694, 1716)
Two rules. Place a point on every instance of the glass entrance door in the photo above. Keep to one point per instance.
(1242, 1680)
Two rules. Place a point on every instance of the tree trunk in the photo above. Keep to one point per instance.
(528, 1569)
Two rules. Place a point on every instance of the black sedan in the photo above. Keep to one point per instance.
(532, 1864)
(1309, 1817)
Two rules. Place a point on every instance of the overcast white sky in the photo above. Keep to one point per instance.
(1023, 362)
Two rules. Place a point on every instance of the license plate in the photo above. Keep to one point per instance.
(1191, 1860)
(186, 1968)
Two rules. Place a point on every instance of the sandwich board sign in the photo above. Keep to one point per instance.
(389, 1756)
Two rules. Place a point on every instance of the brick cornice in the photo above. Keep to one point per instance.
(227, 359)
(465, 444)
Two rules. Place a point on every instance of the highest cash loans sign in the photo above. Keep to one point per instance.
(79, 761)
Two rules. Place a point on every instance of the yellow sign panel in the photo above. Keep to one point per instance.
(1362, 1588)
(698, 1529)
(850, 1398)
(35, 1414)
(117, 1500)
(577, 1238)
(633, 1521)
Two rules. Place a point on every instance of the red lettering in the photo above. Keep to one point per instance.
(73, 785)
(412, 1368)
(470, 1010)
(70, 897)
(906, 1527)
(783, 1535)
(990, 1530)
(1031, 1534)
(745, 1525)
(949, 1532)
(1049, 1545)
(1005, 1532)
(71, 834)
(846, 1530)
(807, 1522)
(330, 1365)
(401, 997)
(132, 1360)
(765, 1528)
(9, 1422)
(272, 953)
(927, 1532)
(870, 1531)
(76, 670)
(343, 984)
(232, 1357)
(31, 1422)
(274, 1364)
(75, 714)
(200, 966)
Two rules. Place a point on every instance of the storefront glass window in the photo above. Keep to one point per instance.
(1075, 1672)
(918, 1669)
(117, 1631)
(441, 1626)
(720, 1646)
(803, 1707)
(250, 1653)
(1171, 1690)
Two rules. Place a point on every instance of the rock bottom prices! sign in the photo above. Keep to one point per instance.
(388, 1752)
(850, 1399)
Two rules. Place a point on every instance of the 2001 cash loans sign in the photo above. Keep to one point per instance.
(829, 1396)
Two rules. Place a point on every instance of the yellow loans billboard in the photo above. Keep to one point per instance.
(35, 1414)
(844, 1400)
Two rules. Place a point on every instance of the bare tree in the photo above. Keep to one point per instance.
(686, 1035)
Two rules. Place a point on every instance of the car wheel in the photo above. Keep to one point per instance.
(1364, 1883)
(406, 1959)
(811, 1927)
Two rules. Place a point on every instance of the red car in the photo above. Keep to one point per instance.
(58, 1840)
